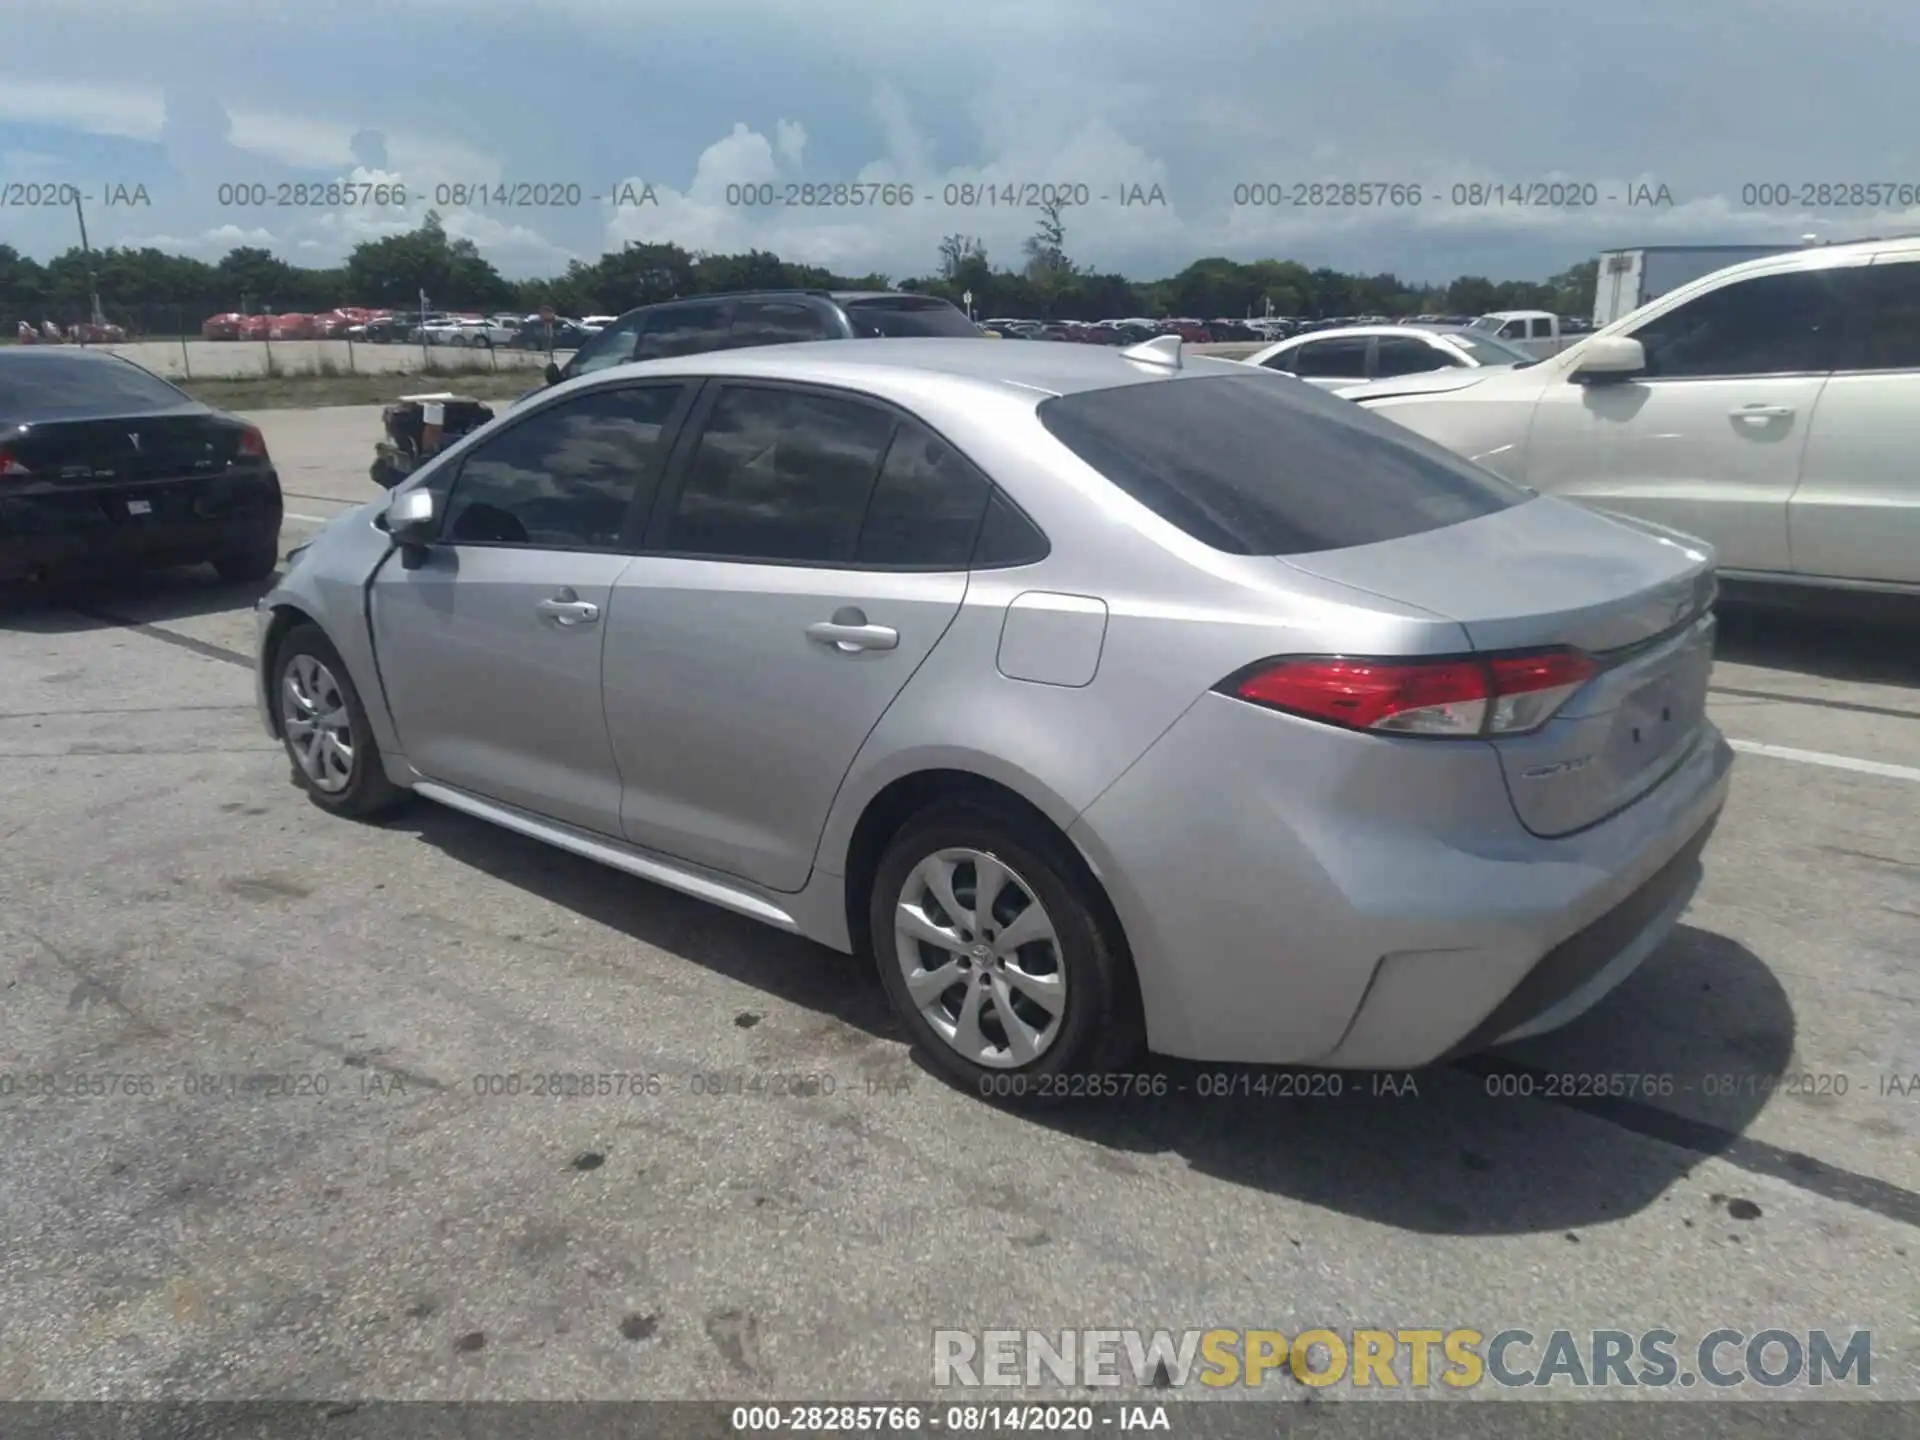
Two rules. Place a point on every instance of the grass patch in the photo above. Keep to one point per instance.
(293, 392)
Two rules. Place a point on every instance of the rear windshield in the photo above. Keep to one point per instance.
(908, 317)
(52, 386)
(1263, 465)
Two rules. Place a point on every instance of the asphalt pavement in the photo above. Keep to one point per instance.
(342, 1184)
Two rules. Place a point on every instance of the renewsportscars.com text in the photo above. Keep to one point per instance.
(1411, 1358)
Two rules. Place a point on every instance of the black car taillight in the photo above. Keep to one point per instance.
(1476, 696)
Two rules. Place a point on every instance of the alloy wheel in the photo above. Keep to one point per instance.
(319, 730)
(981, 958)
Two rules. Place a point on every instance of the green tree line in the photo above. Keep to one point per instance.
(152, 291)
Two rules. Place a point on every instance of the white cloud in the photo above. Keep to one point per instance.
(95, 109)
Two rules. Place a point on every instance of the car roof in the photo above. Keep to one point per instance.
(40, 354)
(1049, 369)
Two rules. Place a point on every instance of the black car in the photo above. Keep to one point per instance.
(103, 463)
(762, 317)
(561, 335)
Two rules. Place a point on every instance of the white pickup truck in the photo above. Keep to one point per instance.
(464, 330)
(1537, 332)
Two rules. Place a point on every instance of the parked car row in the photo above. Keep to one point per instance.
(327, 325)
(80, 332)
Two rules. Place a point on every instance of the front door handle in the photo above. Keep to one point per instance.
(849, 633)
(1762, 412)
(567, 608)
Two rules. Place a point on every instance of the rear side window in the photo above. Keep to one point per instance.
(1889, 324)
(1408, 355)
(908, 316)
(1331, 360)
(780, 475)
(926, 508)
(778, 322)
(693, 329)
(51, 386)
(1253, 465)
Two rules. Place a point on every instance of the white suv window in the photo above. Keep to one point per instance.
(1889, 327)
(1784, 324)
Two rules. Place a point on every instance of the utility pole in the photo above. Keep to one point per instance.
(86, 251)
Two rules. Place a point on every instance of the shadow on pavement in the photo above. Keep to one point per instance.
(1867, 639)
(106, 600)
(1501, 1145)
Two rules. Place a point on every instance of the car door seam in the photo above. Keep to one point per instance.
(833, 803)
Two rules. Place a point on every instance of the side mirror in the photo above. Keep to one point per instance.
(413, 519)
(1609, 357)
(552, 373)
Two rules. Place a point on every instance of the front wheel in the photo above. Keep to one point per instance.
(998, 954)
(324, 728)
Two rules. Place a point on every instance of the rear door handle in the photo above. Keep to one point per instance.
(848, 632)
(1762, 412)
(567, 608)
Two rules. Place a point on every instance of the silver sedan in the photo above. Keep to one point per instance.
(1108, 699)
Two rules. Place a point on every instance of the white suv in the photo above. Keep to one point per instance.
(1771, 408)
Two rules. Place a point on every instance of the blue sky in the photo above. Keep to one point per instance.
(1194, 96)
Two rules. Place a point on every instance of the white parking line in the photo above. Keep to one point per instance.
(1832, 762)
(310, 519)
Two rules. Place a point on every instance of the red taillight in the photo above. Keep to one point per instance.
(1484, 695)
(253, 443)
(11, 467)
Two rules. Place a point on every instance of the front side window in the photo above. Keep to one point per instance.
(780, 475)
(566, 478)
(1770, 325)
(1254, 466)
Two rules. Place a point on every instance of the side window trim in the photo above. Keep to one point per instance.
(675, 426)
(673, 480)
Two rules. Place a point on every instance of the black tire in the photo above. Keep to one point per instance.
(368, 792)
(250, 565)
(1101, 1032)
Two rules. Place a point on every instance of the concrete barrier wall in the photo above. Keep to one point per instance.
(225, 359)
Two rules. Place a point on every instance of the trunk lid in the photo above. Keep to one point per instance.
(1547, 573)
(127, 450)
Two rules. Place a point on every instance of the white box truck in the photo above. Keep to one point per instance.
(1628, 279)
